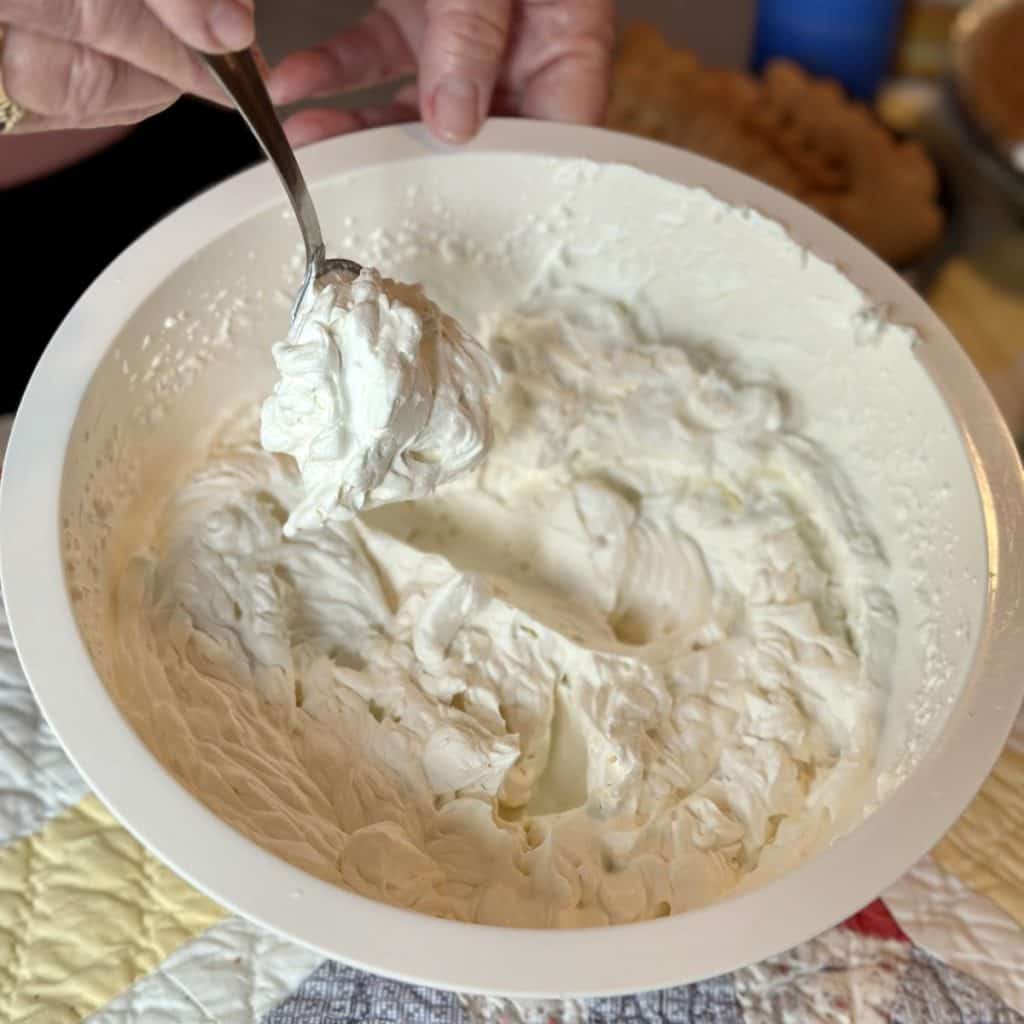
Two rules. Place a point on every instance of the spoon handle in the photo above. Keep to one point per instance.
(240, 78)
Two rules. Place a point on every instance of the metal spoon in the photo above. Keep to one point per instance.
(240, 78)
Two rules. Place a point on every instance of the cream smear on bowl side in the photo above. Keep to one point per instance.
(631, 662)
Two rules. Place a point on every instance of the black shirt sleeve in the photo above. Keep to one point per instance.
(59, 232)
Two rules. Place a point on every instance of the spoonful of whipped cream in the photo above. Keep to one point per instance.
(382, 396)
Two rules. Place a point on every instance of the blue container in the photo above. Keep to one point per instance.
(850, 40)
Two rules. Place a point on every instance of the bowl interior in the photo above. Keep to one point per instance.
(478, 228)
(707, 275)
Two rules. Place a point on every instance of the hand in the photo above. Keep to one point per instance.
(539, 58)
(89, 63)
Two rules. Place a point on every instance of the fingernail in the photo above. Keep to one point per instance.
(231, 23)
(455, 109)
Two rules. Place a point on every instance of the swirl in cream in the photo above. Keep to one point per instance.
(625, 667)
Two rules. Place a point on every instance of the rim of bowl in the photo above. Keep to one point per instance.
(404, 944)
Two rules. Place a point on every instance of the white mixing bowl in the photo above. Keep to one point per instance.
(154, 347)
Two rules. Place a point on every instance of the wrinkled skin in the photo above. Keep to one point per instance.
(539, 58)
(91, 63)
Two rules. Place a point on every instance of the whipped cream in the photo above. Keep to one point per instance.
(628, 665)
(381, 398)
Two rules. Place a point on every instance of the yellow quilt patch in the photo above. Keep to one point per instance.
(84, 911)
(986, 846)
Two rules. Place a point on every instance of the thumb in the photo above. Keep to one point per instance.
(463, 49)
